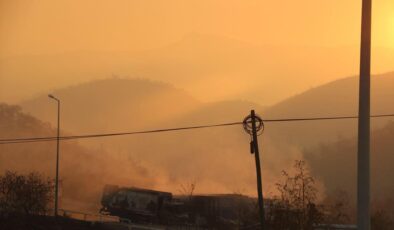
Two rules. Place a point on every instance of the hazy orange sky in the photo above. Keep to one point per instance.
(256, 50)
(47, 27)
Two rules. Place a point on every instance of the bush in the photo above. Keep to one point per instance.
(295, 207)
(29, 194)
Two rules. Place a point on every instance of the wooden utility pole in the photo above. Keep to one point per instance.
(363, 161)
(252, 118)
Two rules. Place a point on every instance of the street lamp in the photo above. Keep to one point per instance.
(57, 152)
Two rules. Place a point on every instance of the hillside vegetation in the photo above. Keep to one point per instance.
(338, 98)
(83, 172)
(335, 164)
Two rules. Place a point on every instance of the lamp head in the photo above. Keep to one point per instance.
(53, 97)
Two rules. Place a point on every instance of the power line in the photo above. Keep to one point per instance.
(43, 139)
(324, 118)
(40, 139)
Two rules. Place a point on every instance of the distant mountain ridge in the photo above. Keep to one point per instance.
(199, 63)
(335, 164)
(127, 105)
(337, 98)
(208, 155)
(113, 104)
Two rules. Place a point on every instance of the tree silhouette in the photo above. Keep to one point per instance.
(295, 207)
(25, 194)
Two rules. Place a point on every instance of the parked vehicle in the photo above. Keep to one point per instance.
(139, 205)
(135, 204)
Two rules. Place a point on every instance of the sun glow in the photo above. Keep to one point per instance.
(385, 29)
(390, 31)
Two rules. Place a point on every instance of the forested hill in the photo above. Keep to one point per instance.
(83, 172)
(335, 164)
(337, 98)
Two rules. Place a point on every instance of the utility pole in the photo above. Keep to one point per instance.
(363, 161)
(252, 129)
(57, 154)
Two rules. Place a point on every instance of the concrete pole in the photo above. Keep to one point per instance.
(363, 161)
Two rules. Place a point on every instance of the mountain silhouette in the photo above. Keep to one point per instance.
(338, 98)
(217, 158)
(335, 164)
(122, 105)
(199, 63)
(113, 105)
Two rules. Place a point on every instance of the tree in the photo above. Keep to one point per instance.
(25, 194)
(295, 207)
(188, 189)
(338, 208)
(381, 220)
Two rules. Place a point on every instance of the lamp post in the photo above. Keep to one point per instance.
(57, 152)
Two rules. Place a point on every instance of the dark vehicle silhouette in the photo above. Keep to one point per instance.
(135, 204)
(139, 205)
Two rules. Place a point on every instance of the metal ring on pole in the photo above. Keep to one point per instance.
(247, 124)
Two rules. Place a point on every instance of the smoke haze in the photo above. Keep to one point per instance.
(138, 65)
